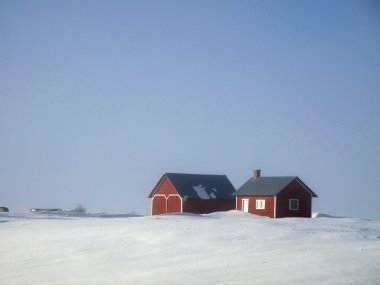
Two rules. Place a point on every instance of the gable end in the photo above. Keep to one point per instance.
(164, 180)
(306, 187)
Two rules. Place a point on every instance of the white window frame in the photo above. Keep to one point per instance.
(260, 204)
(290, 203)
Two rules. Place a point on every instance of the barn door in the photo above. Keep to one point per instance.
(174, 203)
(244, 205)
(158, 205)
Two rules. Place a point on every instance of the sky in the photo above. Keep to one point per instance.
(98, 99)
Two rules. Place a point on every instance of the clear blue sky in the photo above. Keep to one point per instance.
(99, 98)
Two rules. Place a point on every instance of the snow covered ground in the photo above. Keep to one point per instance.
(220, 248)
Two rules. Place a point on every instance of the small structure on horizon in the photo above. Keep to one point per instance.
(192, 193)
(46, 210)
(4, 210)
(275, 197)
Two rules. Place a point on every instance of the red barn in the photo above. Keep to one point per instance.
(275, 197)
(192, 193)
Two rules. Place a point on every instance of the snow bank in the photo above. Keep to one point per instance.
(218, 248)
(319, 215)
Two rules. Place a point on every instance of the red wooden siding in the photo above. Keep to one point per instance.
(174, 204)
(294, 191)
(269, 205)
(199, 206)
(166, 188)
(158, 205)
(166, 199)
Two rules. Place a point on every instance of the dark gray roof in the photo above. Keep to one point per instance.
(200, 186)
(268, 186)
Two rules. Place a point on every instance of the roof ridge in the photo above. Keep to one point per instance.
(179, 173)
(285, 176)
(265, 185)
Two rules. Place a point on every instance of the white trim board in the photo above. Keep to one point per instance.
(275, 207)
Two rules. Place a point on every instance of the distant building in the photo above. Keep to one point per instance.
(192, 193)
(45, 210)
(275, 197)
(4, 209)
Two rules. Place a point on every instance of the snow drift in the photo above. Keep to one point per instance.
(219, 248)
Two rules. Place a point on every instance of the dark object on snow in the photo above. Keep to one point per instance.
(4, 209)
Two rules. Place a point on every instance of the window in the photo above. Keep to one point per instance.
(293, 204)
(260, 204)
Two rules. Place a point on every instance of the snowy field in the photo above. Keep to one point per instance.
(220, 248)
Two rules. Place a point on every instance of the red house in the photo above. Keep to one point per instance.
(192, 193)
(275, 197)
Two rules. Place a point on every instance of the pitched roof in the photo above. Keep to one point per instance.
(268, 186)
(199, 186)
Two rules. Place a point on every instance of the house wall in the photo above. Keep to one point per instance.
(199, 206)
(166, 199)
(269, 205)
(294, 191)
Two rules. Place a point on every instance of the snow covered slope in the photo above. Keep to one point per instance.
(220, 248)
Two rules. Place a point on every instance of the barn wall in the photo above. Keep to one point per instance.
(166, 199)
(199, 206)
(294, 191)
(269, 205)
